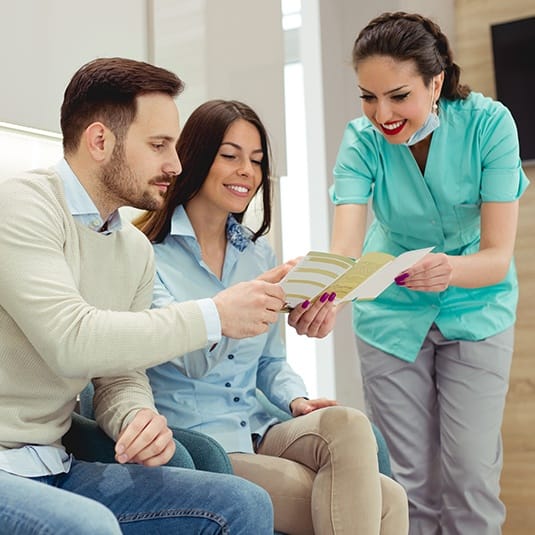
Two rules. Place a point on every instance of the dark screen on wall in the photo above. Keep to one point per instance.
(513, 46)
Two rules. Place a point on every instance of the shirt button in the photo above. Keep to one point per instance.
(236, 399)
(228, 385)
(231, 356)
(243, 423)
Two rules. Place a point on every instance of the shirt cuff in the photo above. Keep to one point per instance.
(211, 320)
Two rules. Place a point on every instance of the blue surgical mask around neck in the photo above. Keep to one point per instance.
(430, 125)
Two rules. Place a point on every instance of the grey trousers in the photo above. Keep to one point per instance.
(441, 417)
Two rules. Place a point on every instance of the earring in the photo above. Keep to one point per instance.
(435, 107)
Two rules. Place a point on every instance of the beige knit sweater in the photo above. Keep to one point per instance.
(73, 307)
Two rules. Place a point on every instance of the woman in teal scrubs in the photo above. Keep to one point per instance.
(441, 166)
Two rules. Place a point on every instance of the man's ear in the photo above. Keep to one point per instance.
(99, 141)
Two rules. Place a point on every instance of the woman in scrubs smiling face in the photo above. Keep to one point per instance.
(394, 96)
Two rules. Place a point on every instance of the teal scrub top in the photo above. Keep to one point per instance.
(473, 158)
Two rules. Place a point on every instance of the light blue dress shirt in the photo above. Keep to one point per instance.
(215, 391)
(81, 206)
(473, 158)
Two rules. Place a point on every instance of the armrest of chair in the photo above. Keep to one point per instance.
(193, 449)
(206, 452)
(87, 442)
(383, 455)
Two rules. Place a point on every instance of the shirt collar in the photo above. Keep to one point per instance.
(80, 203)
(180, 223)
(237, 235)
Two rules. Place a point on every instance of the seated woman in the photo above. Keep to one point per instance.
(320, 467)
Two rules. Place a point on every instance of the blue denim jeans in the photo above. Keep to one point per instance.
(110, 499)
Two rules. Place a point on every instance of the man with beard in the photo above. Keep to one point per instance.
(75, 285)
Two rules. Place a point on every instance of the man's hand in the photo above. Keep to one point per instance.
(248, 308)
(300, 406)
(145, 440)
(315, 321)
(277, 273)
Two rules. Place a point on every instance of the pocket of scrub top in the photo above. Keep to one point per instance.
(468, 220)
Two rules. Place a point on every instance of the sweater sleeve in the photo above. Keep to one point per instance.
(38, 290)
(117, 399)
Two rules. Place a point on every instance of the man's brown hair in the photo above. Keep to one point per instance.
(106, 90)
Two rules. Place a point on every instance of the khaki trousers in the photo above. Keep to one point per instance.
(321, 472)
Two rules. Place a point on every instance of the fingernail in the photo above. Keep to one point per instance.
(119, 449)
(324, 297)
(401, 277)
(332, 297)
(305, 304)
(399, 283)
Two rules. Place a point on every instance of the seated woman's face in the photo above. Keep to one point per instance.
(236, 172)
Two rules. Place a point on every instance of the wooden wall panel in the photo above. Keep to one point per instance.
(473, 48)
(473, 52)
(518, 479)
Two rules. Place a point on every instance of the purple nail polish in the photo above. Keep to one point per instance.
(332, 297)
(401, 277)
(305, 304)
(400, 283)
(324, 297)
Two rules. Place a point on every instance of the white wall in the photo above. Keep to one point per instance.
(230, 49)
(43, 42)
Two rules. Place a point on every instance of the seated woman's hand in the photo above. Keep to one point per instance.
(316, 320)
(300, 406)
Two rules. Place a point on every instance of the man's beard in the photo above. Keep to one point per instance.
(122, 182)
